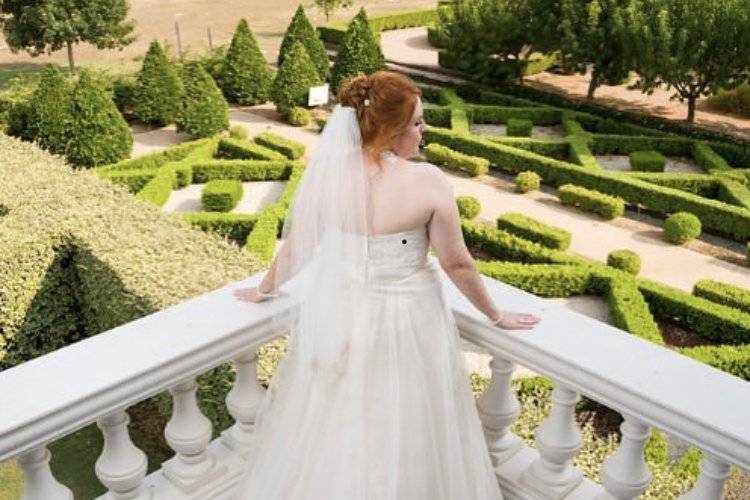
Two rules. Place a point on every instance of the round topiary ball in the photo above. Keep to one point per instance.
(626, 260)
(468, 207)
(681, 227)
(298, 116)
(238, 132)
(527, 181)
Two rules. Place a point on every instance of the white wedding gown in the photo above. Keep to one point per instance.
(397, 420)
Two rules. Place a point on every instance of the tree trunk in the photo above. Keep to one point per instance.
(71, 63)
(593, 84)
(691, 108)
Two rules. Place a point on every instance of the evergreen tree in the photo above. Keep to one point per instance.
(245, 76)
(203, 110)
(302, 31)
(359, 52)
(695, 47)
(48, 118)
(41, 26)
(593, 34)
(158, 88)
(295, 77)
(98, 132)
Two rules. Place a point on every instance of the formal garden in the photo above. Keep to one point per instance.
(86, 244)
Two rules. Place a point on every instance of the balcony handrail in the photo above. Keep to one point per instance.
(44, 399)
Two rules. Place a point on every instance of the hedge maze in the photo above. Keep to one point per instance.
(531, 255)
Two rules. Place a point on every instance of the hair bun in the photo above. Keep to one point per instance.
(356, 92)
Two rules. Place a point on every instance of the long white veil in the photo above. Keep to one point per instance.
(322, 263)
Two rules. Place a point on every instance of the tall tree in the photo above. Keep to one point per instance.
(203, 110)
(359, 52)
(45, 26)
(694, 47)
(302, 31)
(48, 119)
(294, 79)
(158, 88)
(330, 6)
(592, 35)
(245, 75)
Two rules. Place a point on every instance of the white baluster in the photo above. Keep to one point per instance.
(40, 483)
(557, 440)
(188, 434)
(710, 484)
(625, 474)
(121, 466)
(242, 402)
(498, 409)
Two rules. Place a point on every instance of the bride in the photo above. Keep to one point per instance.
(371, 401)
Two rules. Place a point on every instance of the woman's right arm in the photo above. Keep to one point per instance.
(447, 240)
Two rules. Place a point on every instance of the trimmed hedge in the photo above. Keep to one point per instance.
(589, 200)
(134, 180)
(238, 132)
(580, 153)
(499, 114)
(245, 76)
(244, 150)
(519, 127)
(630, 311)
(527, 181)
(557, 149)
(544, 280)
(298, 116)
(723, 293)
(242, 170)
(681, 227)
(708, 159)
(729, 358)
(290, 149)
(443, 156)
(647, 161)
(334, 32)
(234, 227)
(733, 192)
(221, 195)
(534, 230)
(618, 144)
(625, 260)
(262, 239)
(468, 206)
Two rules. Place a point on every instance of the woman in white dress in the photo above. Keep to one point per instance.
(371, 401)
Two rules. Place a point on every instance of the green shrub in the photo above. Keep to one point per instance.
(736, 100)
(592, 201)
(681, 227)
(468, 206)
(647, 161)
(234, 227)
(203, 110)
(262, 239)
(123, 94)
(298, 116)
(238, 132)
(290, 149)
(708, 159)
(245, 76)
(158, 88)
(98, 132)
(519, 128)
(301, 30)
(244, 170)
(221, 195)
(296, 75)
(359, 52)
(48, 115)
(527, 181)
(321, 121)
(723, 293)
(244, 150)
(443, 156)
(534, 230)
(626, 260)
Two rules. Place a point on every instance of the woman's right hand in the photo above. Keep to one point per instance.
(515, 321)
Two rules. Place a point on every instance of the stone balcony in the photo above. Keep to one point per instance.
(96, 379)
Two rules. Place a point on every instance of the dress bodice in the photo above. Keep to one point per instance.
(397, 255)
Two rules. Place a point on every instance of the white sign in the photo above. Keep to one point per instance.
(318, 95)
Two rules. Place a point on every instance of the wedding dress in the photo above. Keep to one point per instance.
(392, 416)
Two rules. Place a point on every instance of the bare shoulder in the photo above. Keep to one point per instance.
(433, 176)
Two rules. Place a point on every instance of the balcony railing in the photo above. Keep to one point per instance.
(97, 379)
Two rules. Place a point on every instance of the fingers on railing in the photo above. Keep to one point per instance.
(40, 483)
(710, 484)
(557, 440)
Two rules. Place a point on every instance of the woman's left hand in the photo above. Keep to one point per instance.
(249, 295)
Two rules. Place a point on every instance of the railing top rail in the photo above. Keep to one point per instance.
(58, 393)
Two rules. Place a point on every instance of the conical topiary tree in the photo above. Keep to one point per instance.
(359, 52)
(245, 76)
(98, 132)
(295, 77)
(48, 118)
(203, 110)
(301, 30)
(158, 88)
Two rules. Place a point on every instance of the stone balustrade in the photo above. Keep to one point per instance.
(97, 379)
